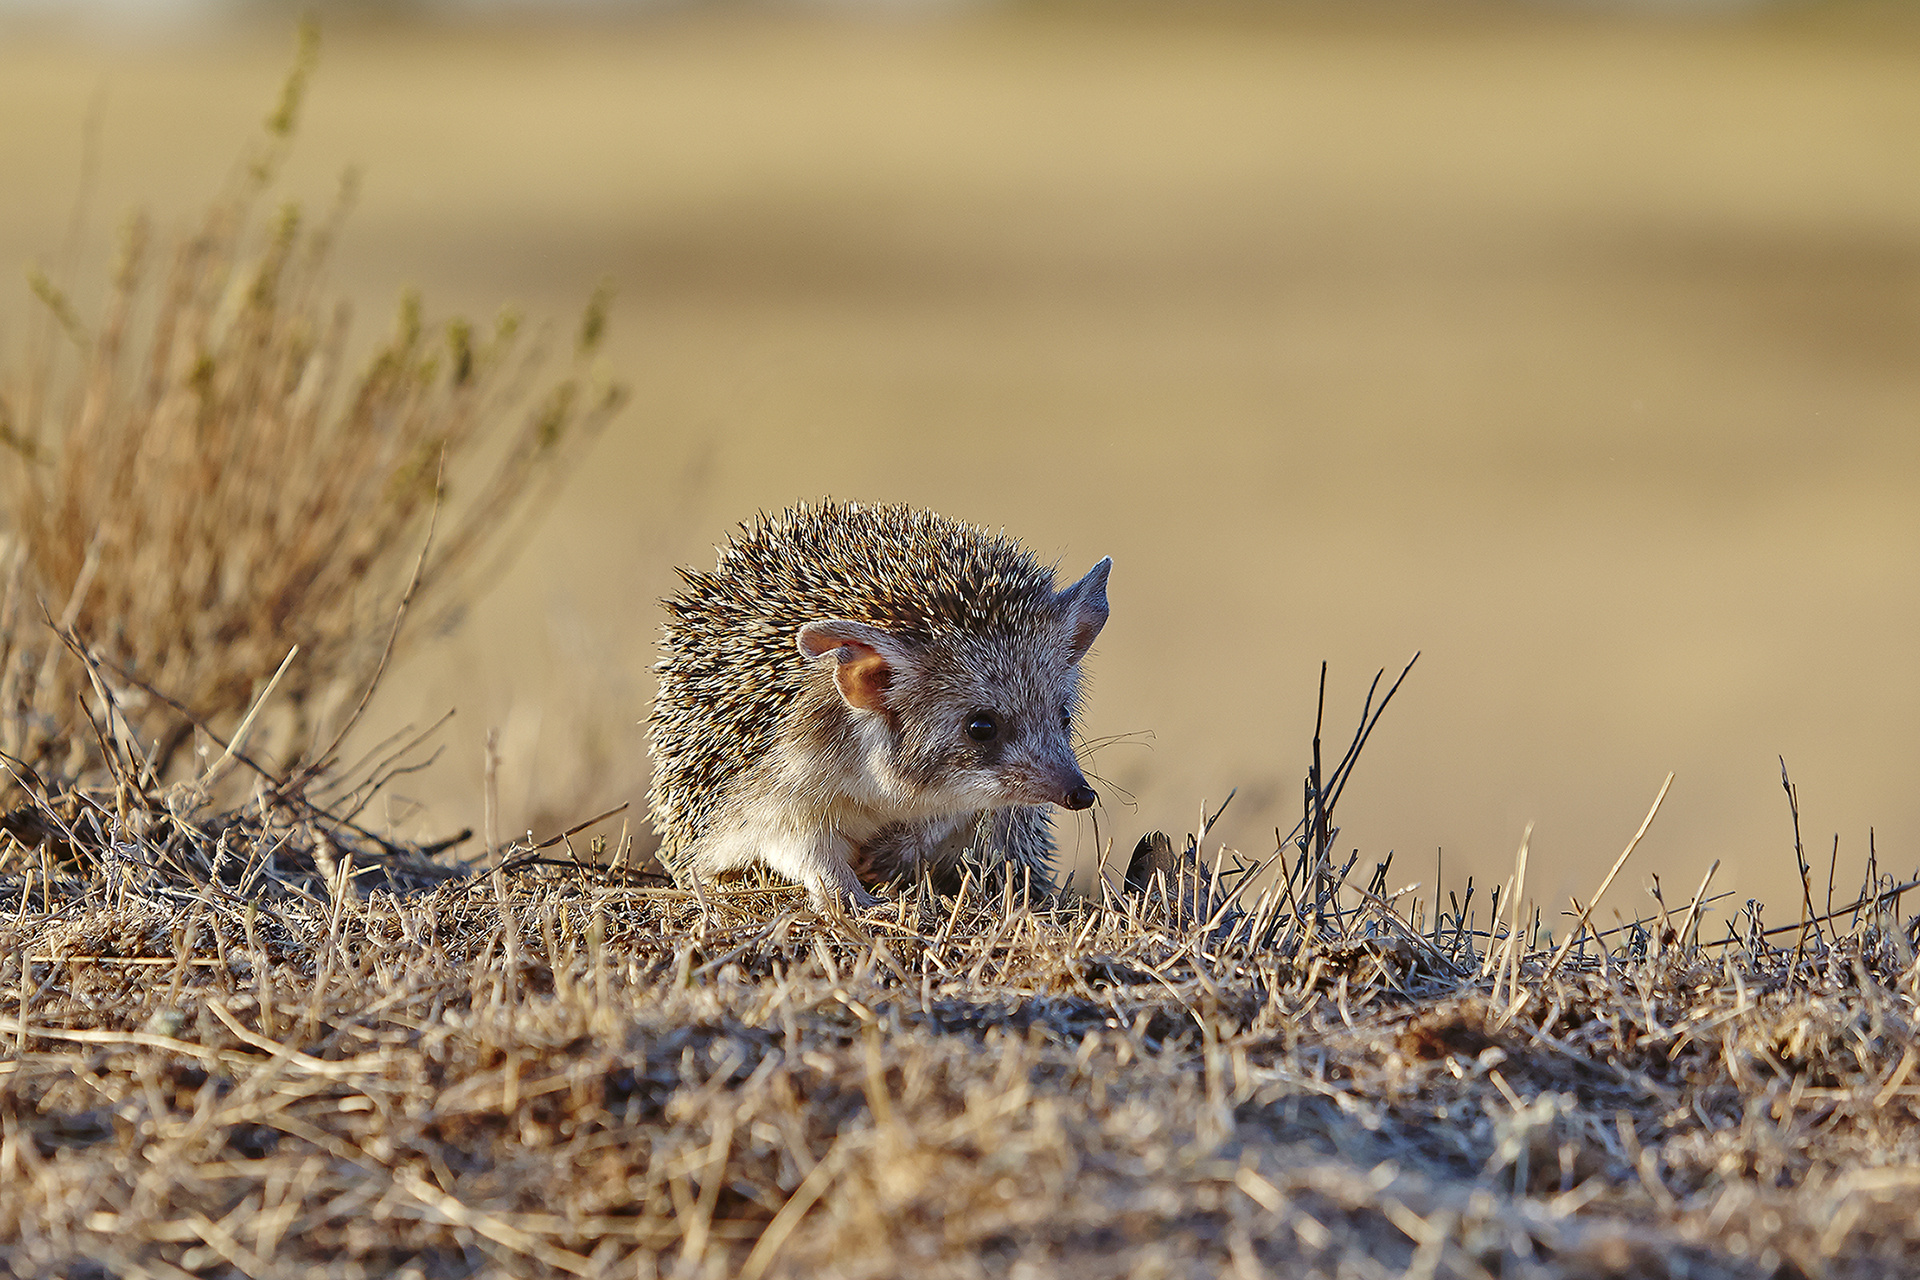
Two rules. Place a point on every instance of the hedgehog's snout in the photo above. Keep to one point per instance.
(1070, 790)
(1065, 785)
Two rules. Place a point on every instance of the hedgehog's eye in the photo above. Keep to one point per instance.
(983, 726)
(1066, 719)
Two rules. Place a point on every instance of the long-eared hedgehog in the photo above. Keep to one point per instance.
(856, 691)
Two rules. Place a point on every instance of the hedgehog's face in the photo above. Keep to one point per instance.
(992, 725)
(973, 721)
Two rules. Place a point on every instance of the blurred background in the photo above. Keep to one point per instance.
(1576, 346)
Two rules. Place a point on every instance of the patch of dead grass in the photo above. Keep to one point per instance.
(545, 1072)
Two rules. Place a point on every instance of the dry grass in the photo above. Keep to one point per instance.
(540, 1071)
(261, 1043)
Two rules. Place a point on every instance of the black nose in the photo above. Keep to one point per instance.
(1082, 797)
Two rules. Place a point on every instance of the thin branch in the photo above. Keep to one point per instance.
(319, 762)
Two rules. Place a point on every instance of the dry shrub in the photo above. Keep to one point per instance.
(200, 483)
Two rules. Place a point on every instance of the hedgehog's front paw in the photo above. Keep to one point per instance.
(835, 889)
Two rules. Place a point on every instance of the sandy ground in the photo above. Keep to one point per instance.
(1578, 354)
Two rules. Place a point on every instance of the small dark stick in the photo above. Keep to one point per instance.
(1806, 884)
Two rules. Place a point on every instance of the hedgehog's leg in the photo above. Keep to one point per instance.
(815, 858)
(1015, 842)
(821, 862)
(1028, 837)
(899, 851)
(996, 843)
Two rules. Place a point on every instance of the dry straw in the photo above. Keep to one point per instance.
(559, 1074)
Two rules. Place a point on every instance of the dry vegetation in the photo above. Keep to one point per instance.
(200, 484)
(249, 1036)
(540, 1071)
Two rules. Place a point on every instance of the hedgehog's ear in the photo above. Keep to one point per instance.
(867, 659)
(1083, 607)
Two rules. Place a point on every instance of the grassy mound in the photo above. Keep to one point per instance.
(541, 1072)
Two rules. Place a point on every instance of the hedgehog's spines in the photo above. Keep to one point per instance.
(729, 671)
